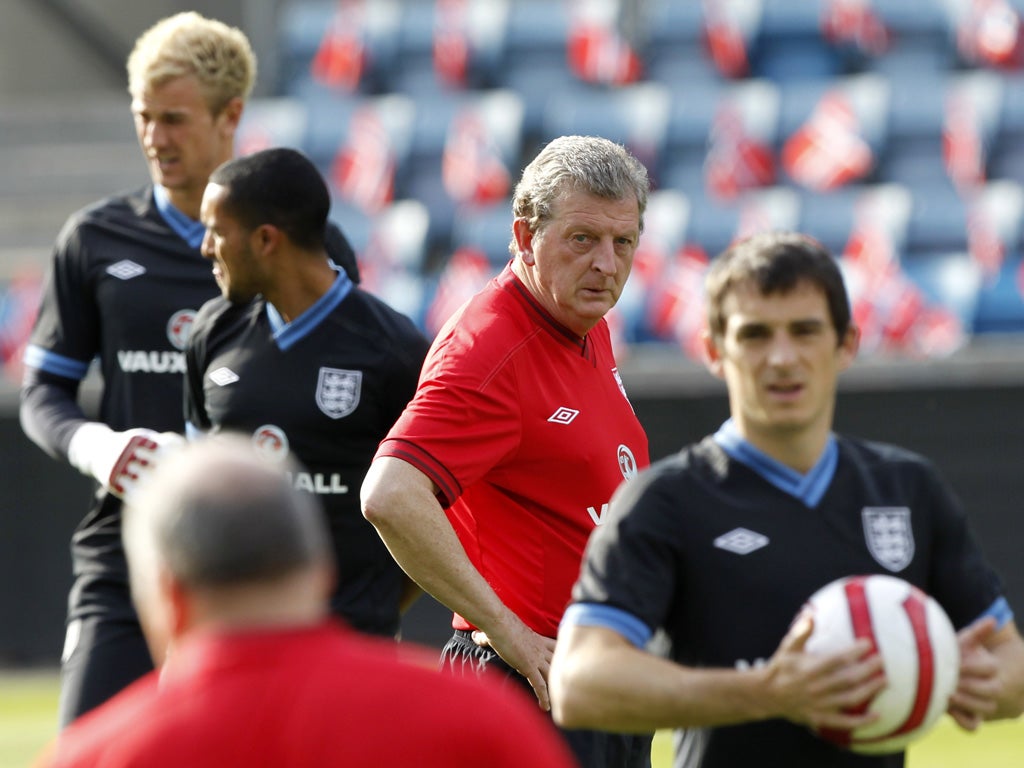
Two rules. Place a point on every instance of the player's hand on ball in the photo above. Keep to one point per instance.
(975, 697)
(824, 690)
(119, 460)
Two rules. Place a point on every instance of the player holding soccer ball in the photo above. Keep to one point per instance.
(125, 282)
(721, 544)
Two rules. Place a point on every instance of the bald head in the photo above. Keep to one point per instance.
(228, 530)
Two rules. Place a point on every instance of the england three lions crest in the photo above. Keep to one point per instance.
(337, 391)
(889, 536)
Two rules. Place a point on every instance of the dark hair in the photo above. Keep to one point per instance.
(776, 262)
(281, 187)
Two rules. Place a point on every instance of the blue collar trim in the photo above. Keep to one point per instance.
(188, 229)
(287, 334)
(809, 488)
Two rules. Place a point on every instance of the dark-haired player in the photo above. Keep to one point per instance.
(125, 281)
(303, 360)
(721, 544)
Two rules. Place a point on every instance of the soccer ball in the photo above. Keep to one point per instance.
(918, 646)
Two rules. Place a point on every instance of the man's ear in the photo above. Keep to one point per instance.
(848, 347)
(712, 355)
(232, 113)
(266, 238)
(524, 239)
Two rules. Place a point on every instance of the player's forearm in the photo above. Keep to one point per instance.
(398, 500)
(599, 680)
(49, 412)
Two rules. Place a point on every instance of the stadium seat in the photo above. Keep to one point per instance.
(912, 152)
(1000, 304)
(828, 217)
(393, 259)
(789, 44)
(465, 151)
(352, 221)
(271, 122)
(488, 230)
(301, 25)
(938, 219)
(328, 115)
(636, 116)
(306, 33)
(1006, 160)
(948, 279)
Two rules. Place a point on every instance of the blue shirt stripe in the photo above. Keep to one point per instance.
(45, 360)
(1001, 611)
(615, 619)
(287, 334)
(188, 229)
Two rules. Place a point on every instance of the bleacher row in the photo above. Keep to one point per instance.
(892, 130)
(882, 128)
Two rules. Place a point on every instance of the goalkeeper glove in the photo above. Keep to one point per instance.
(118, 459)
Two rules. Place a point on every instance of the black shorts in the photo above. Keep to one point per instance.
(593, 749)
(101, 656)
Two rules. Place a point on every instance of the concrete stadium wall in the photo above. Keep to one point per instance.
(974, 434)
(50, 48)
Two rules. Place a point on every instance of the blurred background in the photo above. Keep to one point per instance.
(891, 130)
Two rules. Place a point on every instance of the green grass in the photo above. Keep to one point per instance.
(28, 716)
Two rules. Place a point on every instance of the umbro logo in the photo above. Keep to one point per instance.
(563, 415)
(741, 541)
(223, 376)
(126, 269)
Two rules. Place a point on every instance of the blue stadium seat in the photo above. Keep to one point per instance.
(636, 116)
(674, 52)
(301, 26)
(949, 279)
(1006, 160)
(829, 217)
(789, 44)
(501, 111)
(692, 113)
(487, 229)
(938, 219)
(1000, 305)
(913, 150)
(328, 114)
(353, 222)
(271, 122)
(713, 225)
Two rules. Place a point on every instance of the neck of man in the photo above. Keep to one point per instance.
(305, 279)
(799, 449)
(296, 600)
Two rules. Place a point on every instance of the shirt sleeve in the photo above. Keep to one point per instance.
(631, 562)
(194, 398)
(66, 334)
(961, 578)
(458, 427)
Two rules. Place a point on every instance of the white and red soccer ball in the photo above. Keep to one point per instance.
(917, 643)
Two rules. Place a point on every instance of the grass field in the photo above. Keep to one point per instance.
(28, 705)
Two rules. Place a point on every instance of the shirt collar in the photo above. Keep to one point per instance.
(188, 229)
(808, 488)
(288, 333)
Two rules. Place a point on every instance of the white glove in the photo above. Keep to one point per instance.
(118, 460)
